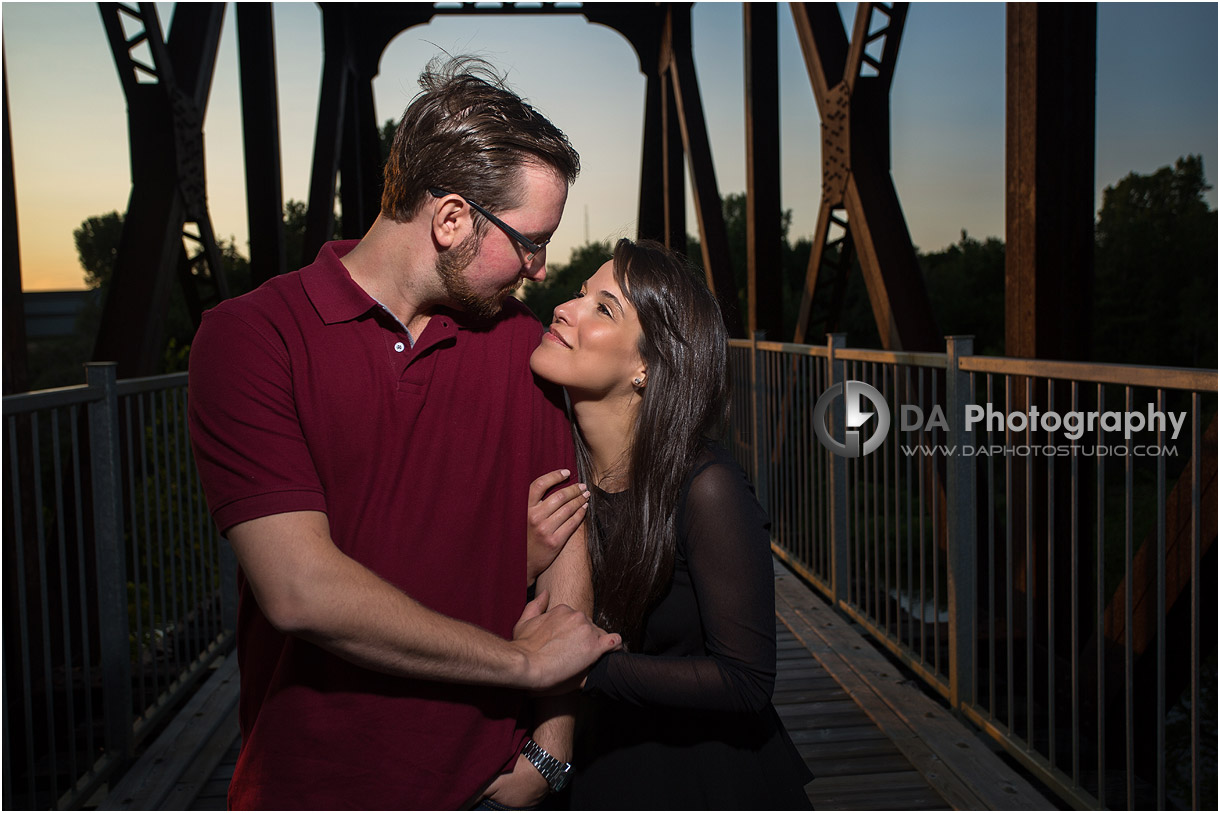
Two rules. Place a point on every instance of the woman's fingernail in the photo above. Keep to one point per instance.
(564, 472)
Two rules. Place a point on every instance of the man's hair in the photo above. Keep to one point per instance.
(467, 133)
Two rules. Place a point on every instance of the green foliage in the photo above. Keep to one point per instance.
(562, 281)
(97, 245)
(966, 288)
(1155, 283)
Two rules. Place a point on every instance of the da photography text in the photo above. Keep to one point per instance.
(865, 417)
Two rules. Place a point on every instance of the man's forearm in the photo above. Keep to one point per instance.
(308, 588)
(569, 581)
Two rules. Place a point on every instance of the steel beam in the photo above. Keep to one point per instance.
(166, 102)
(261, 134)
(650, 223)
(1049, 158)
(16, 377)
(851, 83)
(708, 208)
(764, 237)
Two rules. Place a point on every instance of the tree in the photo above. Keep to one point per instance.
(97, 245)
(562, 281)
(965, 285)
(1155, 270)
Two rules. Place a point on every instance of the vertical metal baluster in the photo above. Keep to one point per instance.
(1196, 573)
(1009, 575)
(1050, 585)
(23, 622)
(906, 490)
(44, 604)
(1100, 606)
(1129, 578)
(1074, 579)
(885, 515)
(87, 648)
(1160, 607)
(185, 624)
(991, 565)
(135, 556)
(1031, 586)
(923, 556)
(162, 614)
(147, 480)
(936, 540)
(66, 627)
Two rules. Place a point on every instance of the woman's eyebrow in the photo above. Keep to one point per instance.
(612, 298)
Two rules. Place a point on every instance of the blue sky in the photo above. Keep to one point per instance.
(1156, 101)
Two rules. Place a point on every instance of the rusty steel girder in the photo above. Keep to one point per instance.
(166, 101)
(851, 84)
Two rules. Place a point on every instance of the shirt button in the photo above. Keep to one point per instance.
(399, 347)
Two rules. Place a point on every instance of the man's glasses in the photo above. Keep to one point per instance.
(532, 249)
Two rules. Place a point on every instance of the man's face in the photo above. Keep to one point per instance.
(480, 273)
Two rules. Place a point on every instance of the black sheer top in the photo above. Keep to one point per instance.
(687, 721)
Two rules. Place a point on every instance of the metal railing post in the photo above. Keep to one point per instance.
(113, 624)
(837, 372)
(761, 480)
(961, 494)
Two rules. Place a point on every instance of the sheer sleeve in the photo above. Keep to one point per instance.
(728, 549)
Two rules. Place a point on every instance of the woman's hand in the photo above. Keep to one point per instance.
(552, 519)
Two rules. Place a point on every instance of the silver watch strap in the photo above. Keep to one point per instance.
(555, 773)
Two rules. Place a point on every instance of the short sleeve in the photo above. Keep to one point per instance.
(249, 447)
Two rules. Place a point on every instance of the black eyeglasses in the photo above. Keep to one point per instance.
(532, 249)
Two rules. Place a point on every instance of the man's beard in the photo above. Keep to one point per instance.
(449, 267)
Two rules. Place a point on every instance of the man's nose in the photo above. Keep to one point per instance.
(536, 271)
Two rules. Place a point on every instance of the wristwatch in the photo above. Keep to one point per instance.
(556, 773)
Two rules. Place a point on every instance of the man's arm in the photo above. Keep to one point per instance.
(568, 577)
(307, 587)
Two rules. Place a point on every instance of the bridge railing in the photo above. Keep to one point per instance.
(1054, 589)
(119, 594)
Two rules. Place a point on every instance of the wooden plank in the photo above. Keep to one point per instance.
(826, 751)
(150, 781)
(837, 734)
(955, 762)
(208, 766)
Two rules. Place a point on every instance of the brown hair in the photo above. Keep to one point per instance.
(467, 133)
(685, 345)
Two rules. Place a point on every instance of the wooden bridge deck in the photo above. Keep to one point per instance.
(873, 741)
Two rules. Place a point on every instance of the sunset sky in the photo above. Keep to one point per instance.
(1156, 101)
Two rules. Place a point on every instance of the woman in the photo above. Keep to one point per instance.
(679, 547)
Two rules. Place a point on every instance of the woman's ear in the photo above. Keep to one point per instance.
(640, 381)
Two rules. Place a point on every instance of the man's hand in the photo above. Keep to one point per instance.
(560, 644)
(524, 787)
(552, 519)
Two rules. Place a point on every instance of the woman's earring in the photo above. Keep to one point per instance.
(638, 381)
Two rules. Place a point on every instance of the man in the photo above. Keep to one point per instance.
(367, 430)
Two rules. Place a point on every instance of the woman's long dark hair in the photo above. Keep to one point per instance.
(685, 400)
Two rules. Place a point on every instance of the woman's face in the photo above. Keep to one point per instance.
(592, 346)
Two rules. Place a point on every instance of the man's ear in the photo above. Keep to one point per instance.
(450, 220)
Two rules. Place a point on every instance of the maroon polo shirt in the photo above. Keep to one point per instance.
(308, 395)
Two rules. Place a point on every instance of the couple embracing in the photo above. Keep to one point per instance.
(384, 440)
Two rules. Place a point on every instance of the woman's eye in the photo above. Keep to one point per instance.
(602, 307)
(577, 294)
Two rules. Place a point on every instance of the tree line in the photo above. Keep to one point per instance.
(1155, 280)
